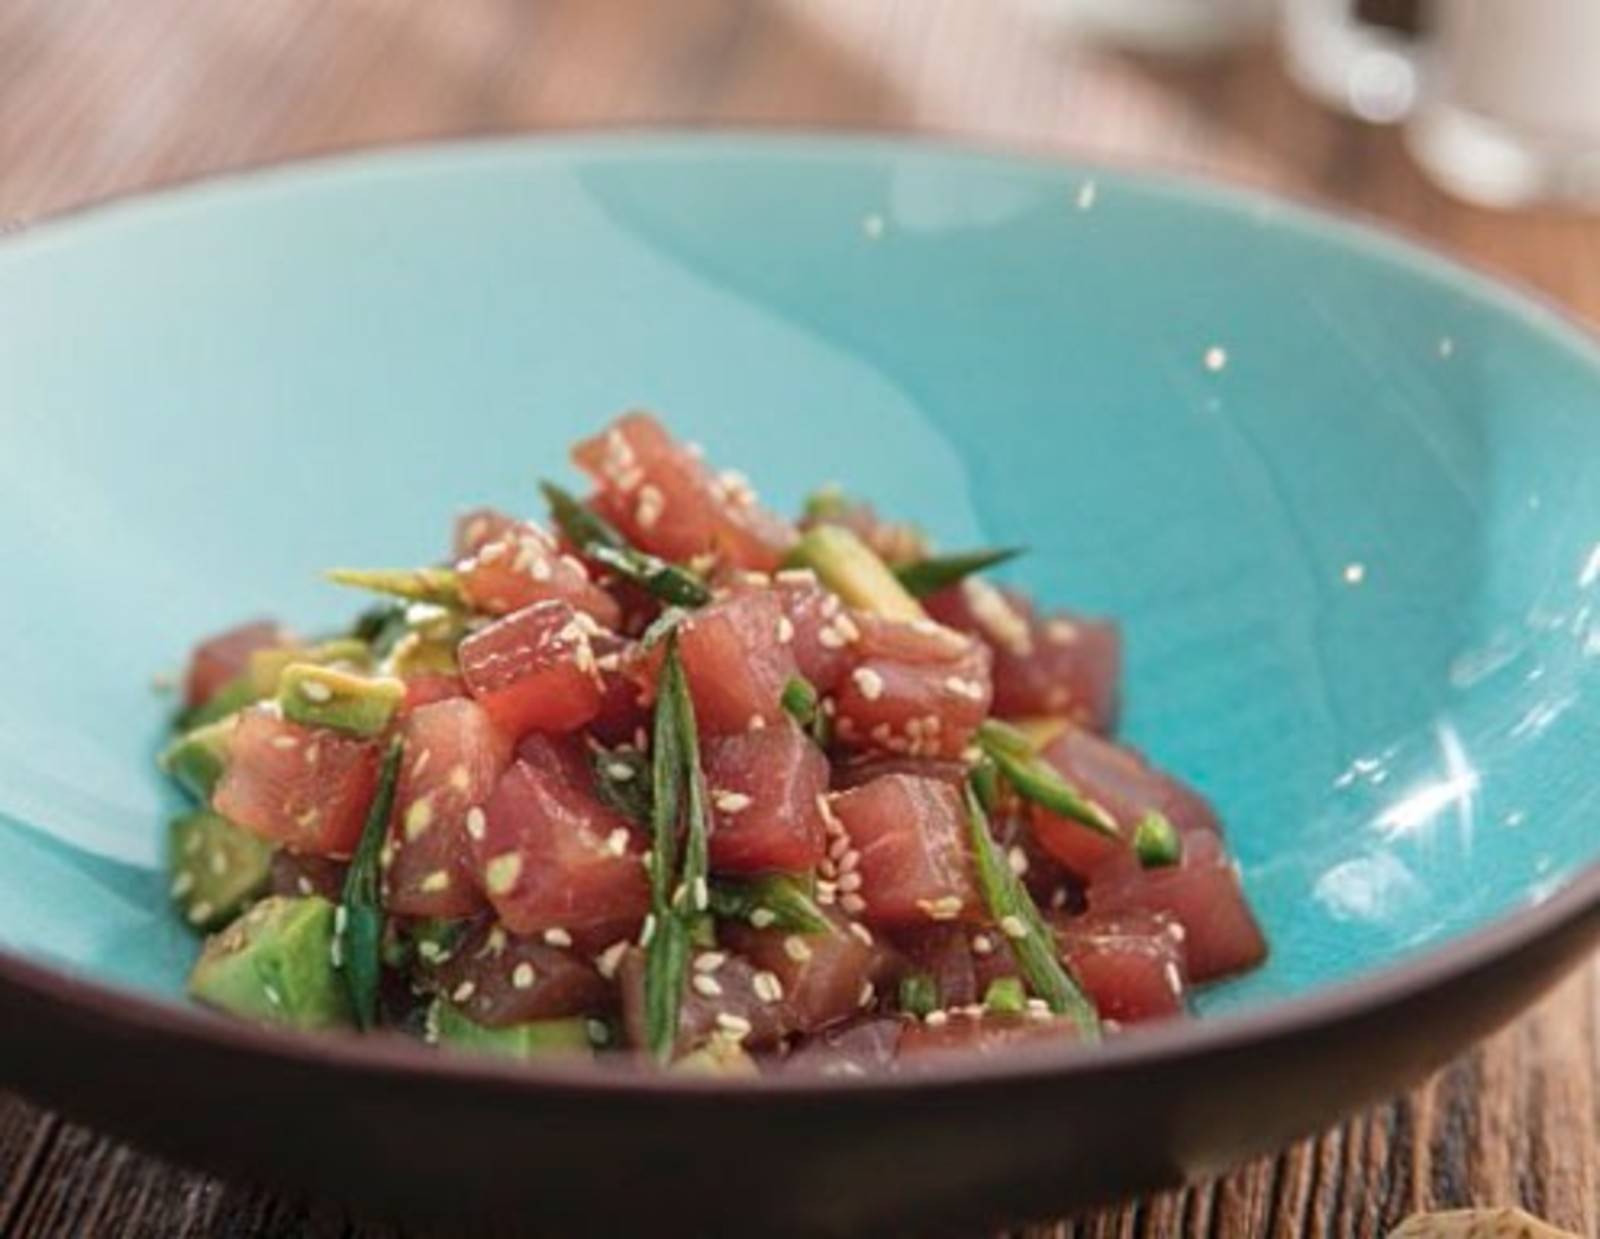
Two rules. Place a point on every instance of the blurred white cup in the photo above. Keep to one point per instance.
(1501, 98)
(1510, 113)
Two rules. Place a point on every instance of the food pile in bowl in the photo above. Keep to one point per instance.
(678, 780)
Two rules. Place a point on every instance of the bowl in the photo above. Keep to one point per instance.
(1344, 495)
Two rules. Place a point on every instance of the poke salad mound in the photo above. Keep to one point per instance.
(677, 779)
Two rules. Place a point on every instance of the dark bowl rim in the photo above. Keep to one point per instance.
(1275, 1021)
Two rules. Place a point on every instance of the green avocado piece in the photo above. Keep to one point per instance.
(195, 760)
(232, 697)
(852, 569)
(274, 965)
(327, 697)
(267, 666)
(449, 1028)
(720, 1056)
(217, 868)
(416, 654)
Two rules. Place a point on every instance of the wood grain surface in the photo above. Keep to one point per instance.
(102, 97)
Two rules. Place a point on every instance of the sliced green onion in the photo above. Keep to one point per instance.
(678, 907)
(928, 576)
(919, 994)
(440, 586)
(1005, 996)
(775, 901)
(1036, 780)
(1156, 841)
(1013, 911)
(800, 700)
(602, 542)
(359, 924)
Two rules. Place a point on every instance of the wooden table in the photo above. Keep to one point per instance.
(98, 97)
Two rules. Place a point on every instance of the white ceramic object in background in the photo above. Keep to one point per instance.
(1511, 113)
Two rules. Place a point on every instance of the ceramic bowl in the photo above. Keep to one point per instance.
(1344, 495)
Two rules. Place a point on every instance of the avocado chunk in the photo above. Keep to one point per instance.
(195, 760)
(449, 1028)
(217, 868)
(416, 654)
(852, 569)
(274, 965)
(327, 697)
(719, 1056)
(232, 697)
(267, 666)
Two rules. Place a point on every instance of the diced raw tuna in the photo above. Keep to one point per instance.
(1220, 933)
(524, 566)
(1056, 664)
(307, 788)
(724, 992)
(824, 978)
(1131, 965)
(534, 669)
(454, 757)
(917, 689)
(555, 860)
(765, 786)
(915, 863)
(225, 656)
(662, 496)
(498, 978)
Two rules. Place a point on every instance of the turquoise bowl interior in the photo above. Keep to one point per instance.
(1345, 496)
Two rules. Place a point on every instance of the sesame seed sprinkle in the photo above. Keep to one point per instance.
(1013, 927)
(607, 962)
(858, 930)
(868, 681)
(556, 936)
(463, 992)
(796, 949)
(522, 976)
(709, 961)
(477, 823)
(936, 1019)
(707, 986)
(767, 986)
(736, 1025)
(761, 918)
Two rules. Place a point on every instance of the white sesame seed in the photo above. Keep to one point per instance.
(556, 936)
(651, 504)
(982, 944)
(767, 986)
(607, 962)
(522, 976)
(849, 882)
(709, 961)
(285, 742)
(829, 638)
(756, 722)
(1013, 927)
(848, 863)
(853, 904)
(463, 992)
(936, 1019)
(796, 576)
(438, 880)
(316, 691)
(419, 816)
(731, 802)
(303, 885)
(477, 823)
(869, 682)
(430, 951)
(702, 895)
(945, 908)
(860, 931)
(273, 996)
(1174, 980)
(796, 949)
(706, 985)
(502, 872)
(785, 630)
(619, 771)
(1017, 859)
(648, 929)
(1177, 932)
(736, 1025)
(341, 919)
(762, 917)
